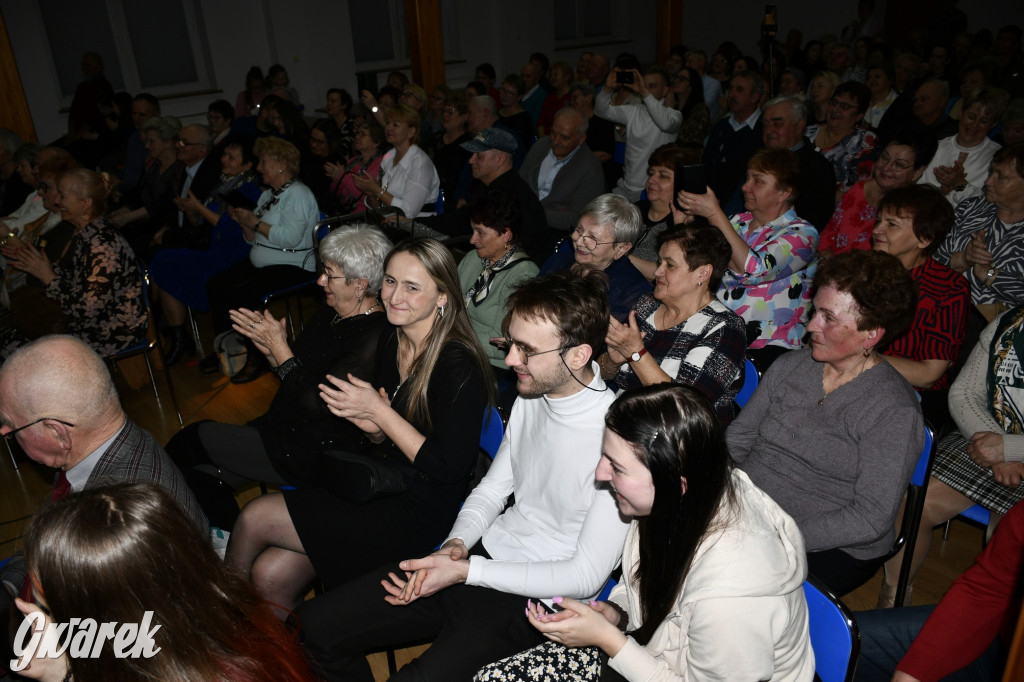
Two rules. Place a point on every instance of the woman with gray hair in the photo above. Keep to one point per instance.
(604, 234)
(339, 340)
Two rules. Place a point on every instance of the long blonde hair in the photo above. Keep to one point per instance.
(451, 325)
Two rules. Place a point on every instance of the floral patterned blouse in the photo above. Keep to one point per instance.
(851, 225)
(852, 158)
(773, 294)
(100, 290)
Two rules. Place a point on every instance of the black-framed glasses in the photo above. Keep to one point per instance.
(896, 164)
(589, 241)
(523, 353)
(10, 434)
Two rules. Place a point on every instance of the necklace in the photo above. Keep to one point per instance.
(869, 362)
(338, 318)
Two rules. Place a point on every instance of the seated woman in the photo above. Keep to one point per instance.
(181, 274)
(656, 209)
(833, 432)
(488, 275)
(982, 462)
(681, 332)
(341, 338)
(96, 280)
(773, 255)
(686, 93)
(841, 140)
(607, 230)
(512, 114)
(987, 242)
(823, 84)
(325, 147)
(153, 207)
(961, 164)
(902, 163)
(422, 411)
(280, 231)
(408, 180)
(676, 600)
(339, 106)
(368, 144)
(127, 553)
(912, 222)
(450, 158)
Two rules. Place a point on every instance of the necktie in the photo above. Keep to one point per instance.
(61, 489)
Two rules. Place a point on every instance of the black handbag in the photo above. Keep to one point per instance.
(358, 477)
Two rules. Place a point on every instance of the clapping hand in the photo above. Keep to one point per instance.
(355, 400)
(266, 332)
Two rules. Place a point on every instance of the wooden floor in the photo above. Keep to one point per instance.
(214, 397)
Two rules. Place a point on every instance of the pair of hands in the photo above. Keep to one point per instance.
(263, 329)
(39, 668)
(28, 258)
(977, 256)
(951, 177)
(446, 566)
(986, 449)
(333, 170)
(244, 217)
(623, 339)
(189, 204)
(366, 184)
(357, 401)
(595, 623)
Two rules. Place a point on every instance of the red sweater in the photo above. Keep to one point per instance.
(982, 603)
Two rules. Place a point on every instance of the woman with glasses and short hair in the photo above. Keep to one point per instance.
(841, 140)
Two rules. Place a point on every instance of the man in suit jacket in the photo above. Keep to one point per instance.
(57, 396)
(199, 177)
(563, 172)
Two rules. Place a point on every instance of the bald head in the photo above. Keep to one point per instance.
(59, 377)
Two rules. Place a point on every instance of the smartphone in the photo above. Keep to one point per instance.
(623, 76)
(690, 178)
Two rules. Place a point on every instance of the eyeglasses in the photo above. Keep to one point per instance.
(523, 353)
(587, 240)
(896, 164)
(329, 276)
(10, 434)
(845, 106)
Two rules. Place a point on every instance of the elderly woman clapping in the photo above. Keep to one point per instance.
(773, 254)
(605, 233)
(340, 339)
(681, 332)
(833, 431)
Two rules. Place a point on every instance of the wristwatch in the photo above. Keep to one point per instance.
(635, 357)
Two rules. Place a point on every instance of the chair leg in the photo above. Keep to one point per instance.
(167, 377)
(392, 663)
(945, 531)
(195, 333)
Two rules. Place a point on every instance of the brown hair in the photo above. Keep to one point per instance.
(701, 244)
(930, 213)
(279, 150)
(408, 115)
(113, 553)
(668, 155)
(881, 287)
(574, 301)
(781, 164)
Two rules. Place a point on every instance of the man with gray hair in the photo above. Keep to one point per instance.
(562, 171)
(58, 401)
(784, 119)
(199, 178)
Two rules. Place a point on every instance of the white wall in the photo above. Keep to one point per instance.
(312, 39)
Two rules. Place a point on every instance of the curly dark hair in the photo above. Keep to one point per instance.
(497, 209)
(882, 288)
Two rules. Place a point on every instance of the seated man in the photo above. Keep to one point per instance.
(603, 236)
(561, 537)
(563, 172)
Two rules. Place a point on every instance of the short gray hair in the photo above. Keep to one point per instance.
(166, 127)
(485, 102)
(581, 127)
(204, 134)
(359, 250)
(616, 211)
(797, 108)
(10, 140)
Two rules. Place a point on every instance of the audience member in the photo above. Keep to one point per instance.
(255, 91)
(280, 230)
(450, 159)
(408, 180)
(339, 108)
(929, 108)
(534, 94)
(833, 432)
(1012, 124)
(277, 79)
(144, 107)
(649, 124)
(560, 537)
(901, 163)
(982, 461)
(819, 94)
(961, 164)
(91, 95)
(198, 178)
(13, 188)
(325, 147)
(604, 234)
(987, 241)
(879, 81)
(562, 171)
(679, 600)
(96, 280)
(281, 447)
(656, 210)
(426, 431)
(558, 98)
(486, 76)
(220, 115)
(734, 139)
(689, 100)
(126, 554)
(783, 121)
(600, 131)
(710, 86)
(180, 275)
(437, 100)
(512, 113)
(681, 332)
(488, 274)
(773, 255)
(366, 159)
(850, 148)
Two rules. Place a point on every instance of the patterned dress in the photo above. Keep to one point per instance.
(853, 157)
(705, 351)
(773, 294)
(851, 225)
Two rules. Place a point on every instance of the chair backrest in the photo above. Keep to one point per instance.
(750, 380)
(491, 432)
(835, 637)
(906, 534)
(924, 461)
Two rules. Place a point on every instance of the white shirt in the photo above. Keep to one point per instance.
(976, 165)
(649, 125)
(563, 536)
(413, 183)
(748, 122)
(549, 168)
